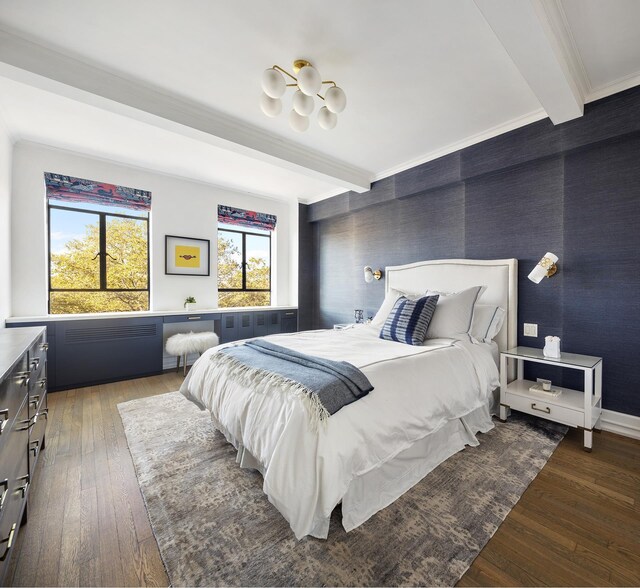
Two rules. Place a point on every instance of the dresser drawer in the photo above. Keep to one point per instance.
(13, 391)
(541, 408)
(14, 483)
(38, 356)
(39, 421)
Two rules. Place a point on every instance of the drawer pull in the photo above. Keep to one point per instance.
(24, 487)
(31, 423)
(194, 318)
(3, 423)
(23, 378)
(34, 400)
(546, 409)
(42, 383)
(44, 347)
(4, 483)
(8, 541)
(289, 313)
(35, 363)
(35, 445)
(44, 413)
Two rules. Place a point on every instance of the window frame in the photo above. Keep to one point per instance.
(243, 263)
(102, 244)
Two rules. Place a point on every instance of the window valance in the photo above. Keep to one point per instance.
(70, 189)
(246, 218)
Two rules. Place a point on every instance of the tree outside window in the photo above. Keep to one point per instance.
(98, 259)
(244, 267)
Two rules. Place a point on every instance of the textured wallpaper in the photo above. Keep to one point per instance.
(573, 189)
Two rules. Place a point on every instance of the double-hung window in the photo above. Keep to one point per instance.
(98, 246)
(244, 257)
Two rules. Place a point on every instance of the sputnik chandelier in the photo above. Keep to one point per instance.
(308, 83)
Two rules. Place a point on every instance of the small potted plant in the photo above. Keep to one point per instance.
(189, 303)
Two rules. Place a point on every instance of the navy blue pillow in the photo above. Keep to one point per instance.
(409, 320)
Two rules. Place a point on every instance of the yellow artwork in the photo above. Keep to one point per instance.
(187, 256)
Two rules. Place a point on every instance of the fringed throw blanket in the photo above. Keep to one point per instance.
(325, 386)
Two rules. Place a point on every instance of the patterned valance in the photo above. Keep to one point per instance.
(246, 218)
(70, 189)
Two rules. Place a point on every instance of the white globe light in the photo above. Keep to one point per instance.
(309, 80)
(298, 122)
(270, 106)
(302, 103)
(273, 83)
(335, 99)
(327, 119)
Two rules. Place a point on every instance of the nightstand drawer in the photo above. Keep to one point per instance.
(541, 408)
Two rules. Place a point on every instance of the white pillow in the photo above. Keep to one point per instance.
(387, 305)
(487, 322)
(454, 313)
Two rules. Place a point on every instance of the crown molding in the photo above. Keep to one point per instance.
(500, 129)
(620, 85)
(559, 24)
(30, 63)
(22, 142)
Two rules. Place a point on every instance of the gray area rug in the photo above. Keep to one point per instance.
(214, 525)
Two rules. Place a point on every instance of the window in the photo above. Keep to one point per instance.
(98, 248)
(244, 257)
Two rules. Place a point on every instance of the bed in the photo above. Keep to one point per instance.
(428, 403)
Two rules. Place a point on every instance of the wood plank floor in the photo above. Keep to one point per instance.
(577, 524)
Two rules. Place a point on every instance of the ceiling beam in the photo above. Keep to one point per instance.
(29, 63)
(525, 29)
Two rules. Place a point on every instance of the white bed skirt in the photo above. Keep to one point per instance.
(371, 492)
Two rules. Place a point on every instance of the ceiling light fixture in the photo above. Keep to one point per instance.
(307, 84)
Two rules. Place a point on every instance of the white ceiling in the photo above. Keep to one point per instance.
(174, 86)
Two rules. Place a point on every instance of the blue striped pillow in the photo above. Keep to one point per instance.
(409, 320)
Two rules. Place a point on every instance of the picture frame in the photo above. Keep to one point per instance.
(186, 256)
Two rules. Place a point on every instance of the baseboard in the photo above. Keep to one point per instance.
(623, 424)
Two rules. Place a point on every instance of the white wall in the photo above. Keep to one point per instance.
(6, 149)
(179, 207)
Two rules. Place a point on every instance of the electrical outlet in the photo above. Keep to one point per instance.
(530, 330)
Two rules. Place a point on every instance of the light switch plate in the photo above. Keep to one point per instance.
(530, 330)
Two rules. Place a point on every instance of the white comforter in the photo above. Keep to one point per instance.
(306, 473)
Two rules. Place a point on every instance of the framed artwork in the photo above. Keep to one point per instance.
(184, 256)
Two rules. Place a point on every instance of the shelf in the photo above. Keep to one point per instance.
(572, 399)
(568, 360)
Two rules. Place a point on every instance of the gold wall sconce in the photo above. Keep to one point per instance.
(370, 274)
(545, 268)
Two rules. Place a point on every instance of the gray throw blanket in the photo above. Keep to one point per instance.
(325, 386)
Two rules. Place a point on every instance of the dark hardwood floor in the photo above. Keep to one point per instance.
(577, 524)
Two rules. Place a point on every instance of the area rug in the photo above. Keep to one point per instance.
(214, 525)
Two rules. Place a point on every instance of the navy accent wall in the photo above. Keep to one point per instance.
(573, 189)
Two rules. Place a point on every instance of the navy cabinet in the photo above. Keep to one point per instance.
(106, 350)
(229, 329)
(84, 352)
(23, 419)
(288, 321)
(245, 324)
(260, 324)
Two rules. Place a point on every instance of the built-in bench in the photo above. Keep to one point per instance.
(85, 350)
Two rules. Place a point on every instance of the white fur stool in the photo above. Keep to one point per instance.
(185, 343)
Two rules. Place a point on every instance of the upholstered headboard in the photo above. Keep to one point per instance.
(500, 276)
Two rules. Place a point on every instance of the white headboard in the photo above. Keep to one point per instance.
(500, 276)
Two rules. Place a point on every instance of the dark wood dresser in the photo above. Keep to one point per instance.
(23, 418)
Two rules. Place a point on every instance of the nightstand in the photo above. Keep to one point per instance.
(571, 407)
